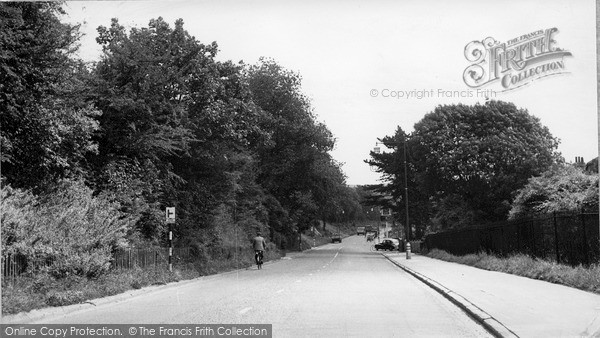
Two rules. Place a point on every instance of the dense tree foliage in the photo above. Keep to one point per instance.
(477, 156)
(562, 188)
(170, 109)
(156, 122)
(46, 123)
(466, 162)
(295, 166)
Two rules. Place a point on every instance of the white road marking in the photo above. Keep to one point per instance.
(280, 291)
(298, 281)
(242, 311)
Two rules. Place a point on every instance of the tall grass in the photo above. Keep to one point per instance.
(580, 277)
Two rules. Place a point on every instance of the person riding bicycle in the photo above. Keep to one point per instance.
(258, 243)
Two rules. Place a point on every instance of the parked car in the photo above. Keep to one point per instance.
(388, 244)
(336, 238)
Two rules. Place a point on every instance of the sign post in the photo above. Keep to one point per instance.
(170, 218)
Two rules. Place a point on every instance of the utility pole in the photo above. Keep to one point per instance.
(377, 151)
(406, 194)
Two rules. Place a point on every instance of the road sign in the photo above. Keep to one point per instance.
(170, 215)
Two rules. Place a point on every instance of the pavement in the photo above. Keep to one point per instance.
(509, 305)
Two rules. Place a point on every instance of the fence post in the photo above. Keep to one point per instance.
(533, 247)
(503, 245)
(556, 238)
(586, 247)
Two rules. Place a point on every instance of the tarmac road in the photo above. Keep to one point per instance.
(337, 290)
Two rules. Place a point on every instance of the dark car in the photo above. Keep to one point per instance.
(387, 244)
(336, 238)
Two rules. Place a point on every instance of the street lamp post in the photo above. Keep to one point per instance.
(406, 193)
(377, 151)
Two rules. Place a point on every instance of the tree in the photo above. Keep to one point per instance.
(294, 165)
(561, 188)
(170, 108)
(481, 153)
(466, 162)
(392, 192)
(47, 124)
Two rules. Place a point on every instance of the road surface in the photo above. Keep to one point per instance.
(337, 290)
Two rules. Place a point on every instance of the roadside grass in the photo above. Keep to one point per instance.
(580, 277)
(27, 293)
(42, 290)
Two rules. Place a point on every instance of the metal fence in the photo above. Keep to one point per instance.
(130, 258)
(569, 238)
(15, 265)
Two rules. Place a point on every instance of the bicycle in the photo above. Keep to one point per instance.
(258, 257)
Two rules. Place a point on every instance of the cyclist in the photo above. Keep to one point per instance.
(258, 244)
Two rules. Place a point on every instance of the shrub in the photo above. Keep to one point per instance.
(67, 226)
(90, 264)
(42, 283)
(61, 298)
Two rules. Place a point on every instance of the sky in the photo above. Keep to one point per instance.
(371, 66)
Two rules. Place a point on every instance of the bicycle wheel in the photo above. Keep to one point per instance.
(259, 260)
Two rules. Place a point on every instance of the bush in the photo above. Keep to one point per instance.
(90, 264)
(65, 298)
(136, 284)
(42, 283)
(67, 226)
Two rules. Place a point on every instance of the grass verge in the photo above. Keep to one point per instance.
(580, 277)
(42, 290)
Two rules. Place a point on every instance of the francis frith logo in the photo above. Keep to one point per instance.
(514, 63)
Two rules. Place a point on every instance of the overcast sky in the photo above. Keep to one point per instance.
(351, 54)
